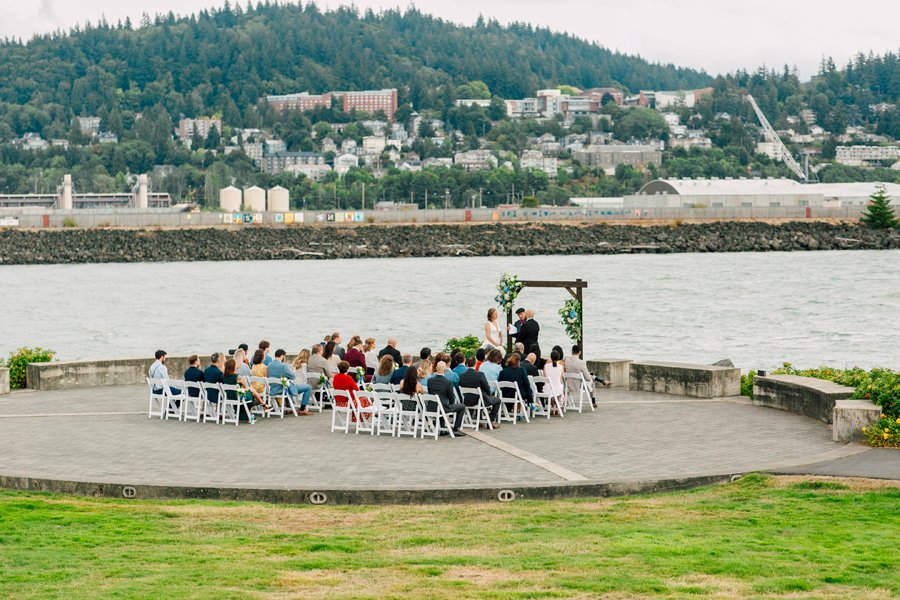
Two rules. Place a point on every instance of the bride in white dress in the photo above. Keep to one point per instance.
(493, 335)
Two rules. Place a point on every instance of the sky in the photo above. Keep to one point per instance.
(711, 35)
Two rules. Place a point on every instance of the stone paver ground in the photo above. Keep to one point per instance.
(104, 435)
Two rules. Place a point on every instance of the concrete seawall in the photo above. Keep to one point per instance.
(380, 241)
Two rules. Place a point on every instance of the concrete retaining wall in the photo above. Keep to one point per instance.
(4, 381)
(850, 416)
(806, 396)
(65, 375)
(616, 370)
(698, 381)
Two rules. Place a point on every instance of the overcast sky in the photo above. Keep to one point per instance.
(713, 35)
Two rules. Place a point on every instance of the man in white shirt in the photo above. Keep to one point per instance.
(158, 370)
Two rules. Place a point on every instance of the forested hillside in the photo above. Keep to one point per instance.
(223, 61)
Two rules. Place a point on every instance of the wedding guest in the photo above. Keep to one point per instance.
(480, 356)
(258, 369)
(515, 373)
(264, 346)
(213, 374)
(470, 378)
(400, 373)
(425, 372)
(391, 349)
(491, 366)
(302, 360)
(554, 372)
(441, 386)
(338, 349)
(385, 370)
(317, 366)
(193, 374)
(230, 377)
(354, 354)
(279, 370)
(343, 381)
(243, 365)
(371, 355)
(330, 357)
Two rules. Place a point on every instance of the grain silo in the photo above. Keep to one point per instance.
(230, 199)
(255, 199)
(279, 200)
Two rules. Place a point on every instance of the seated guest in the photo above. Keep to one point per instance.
(279, 369)
(302, 360)
(424, 354)
(343, 381)
(193, 374)
(330, 357)
(425, 372)
(338, 349)
(317, 366)
(400, 373)
(470, 378)
(230, 377)
(246, 350)
(158, 370)
(518, 348)
(258, 369)
(442, 387)
(445, 358)
(371, 356)
(391, 349)
(575, 364)
(264, 346)
(515, 373)
(243, 365)
(410, 386)
(480, 357)
(354, 354)
(530, 368)
(213, 374)
(491, 366)
(458, 362)
(385, 370)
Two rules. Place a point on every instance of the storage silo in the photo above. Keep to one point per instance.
(255, 199)
(230, 199)
(279, 200)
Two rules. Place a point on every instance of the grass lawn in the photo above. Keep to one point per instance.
(761, 537)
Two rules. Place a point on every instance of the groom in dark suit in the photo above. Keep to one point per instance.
(528, 333)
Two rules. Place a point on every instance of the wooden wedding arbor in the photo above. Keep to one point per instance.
(573, 287)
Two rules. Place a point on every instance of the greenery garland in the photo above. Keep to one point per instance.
(570, 317)
(508, 290)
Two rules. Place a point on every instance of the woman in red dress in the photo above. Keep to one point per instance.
(345, 382)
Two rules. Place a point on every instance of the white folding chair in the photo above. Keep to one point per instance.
(544, 399)
(477, 412)
(511, 398)
(366, 416)
(264, 395)
(230, 409)
(192, 404)
(174, 391)
(387, 414)
(282, 402)
(341, 411)
(434, 417)
(157, 398)
(382, 387)
(211, 410)
(321, 397)
(407, 415)
(577, 392)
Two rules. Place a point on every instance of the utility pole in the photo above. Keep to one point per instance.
(426, 198)
(446, 198)
(364, 196)
(480, 197)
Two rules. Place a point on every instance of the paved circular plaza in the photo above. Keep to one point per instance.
(103, 436)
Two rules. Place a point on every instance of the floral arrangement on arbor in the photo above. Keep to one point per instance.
(508, 290)
(570, 317)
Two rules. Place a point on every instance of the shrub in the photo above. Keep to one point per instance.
(884, 433)
(18, 361)
(881, 386)
(747, 384)
(70, 222)
(468, 345)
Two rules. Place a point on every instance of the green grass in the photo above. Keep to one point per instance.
(761, 537)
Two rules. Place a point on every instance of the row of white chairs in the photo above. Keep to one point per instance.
(192, 401)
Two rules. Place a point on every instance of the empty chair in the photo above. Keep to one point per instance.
(211, 396)
(544, 400)
(512, 405)
(407, 415)
(387, 412)
(575, 400)
(157, 398)
(174, 392)
(341, 411)
(382, 387)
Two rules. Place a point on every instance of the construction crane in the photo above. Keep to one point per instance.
(772, 137)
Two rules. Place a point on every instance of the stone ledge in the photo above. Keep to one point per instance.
(616, 370)
(682, 379)
(807, 396)
(95, 373)
(4, 381)
(850, 416)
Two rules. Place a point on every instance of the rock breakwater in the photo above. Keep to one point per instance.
(324, 242)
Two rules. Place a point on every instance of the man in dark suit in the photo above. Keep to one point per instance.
(529, 365)
(520, 320)
(214, 373)
(398, 375)
(391, 350)
(443, 388)
(193, 374)
(529, 332)
(470, 378)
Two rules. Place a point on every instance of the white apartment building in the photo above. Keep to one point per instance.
(373, 144)
(862, 156)
(535, 159)
(475, 160)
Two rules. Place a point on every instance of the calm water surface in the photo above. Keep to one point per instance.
(837, 308)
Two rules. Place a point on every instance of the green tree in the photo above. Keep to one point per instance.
(640, 124)
(879, 213)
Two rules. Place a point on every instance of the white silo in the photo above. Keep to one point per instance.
(255, 199)
(230, 199)
(279, 200)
